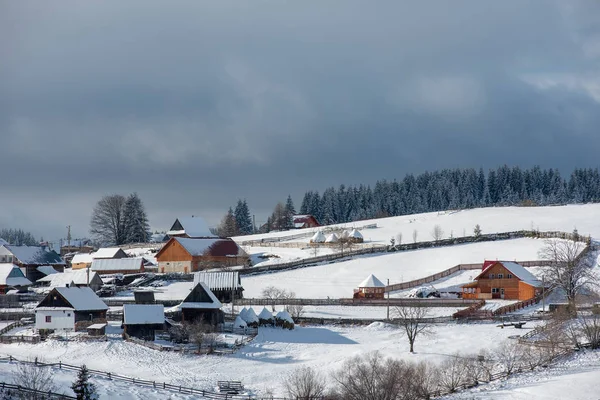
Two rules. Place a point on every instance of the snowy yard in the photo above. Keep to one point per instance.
(337, 280)
(272, 354)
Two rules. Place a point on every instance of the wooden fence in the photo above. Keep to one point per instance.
(18, 391)
(416, 302)
(142, 382)
(305, 234)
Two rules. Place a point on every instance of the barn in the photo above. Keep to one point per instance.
(143, 320)
(503, 280)
(29, 258)
(106, 266)
(305, 221)
(78, 278)
(201, 305)
(11, 277)
(68, 308)
(223, 284)
(370, 288)
(187, 255)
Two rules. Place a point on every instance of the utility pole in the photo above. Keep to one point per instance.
(232, 293)
(253, 223)
(88, 275)
(388, 301)
(543, 293)
(69, 236)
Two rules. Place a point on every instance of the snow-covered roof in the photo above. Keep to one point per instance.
(517, 270)
(47, 270)
(82, 258)
(214, 302)
(82, 299)
(106, 252)
(318, 237)
(142, 314)
(77, 277)
(332, 238)
(250, 316)
(96, 326)
(265, 314)
(370, 282)
(356, 234)
(218, 280)
(117, 264)
(11, 275)
(35, 255)
(215, 247)
(194, 227)
(239, 322)
(285, 316)
(3, 242)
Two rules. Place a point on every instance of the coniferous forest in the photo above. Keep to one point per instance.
(450, 189)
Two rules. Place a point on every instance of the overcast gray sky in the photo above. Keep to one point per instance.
(194, 104)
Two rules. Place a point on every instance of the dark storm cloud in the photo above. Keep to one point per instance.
(194, 104)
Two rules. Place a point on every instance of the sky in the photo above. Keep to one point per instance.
(194, 104)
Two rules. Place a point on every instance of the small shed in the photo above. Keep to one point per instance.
(318, 238)
(202, 305)
(143, 320)
(224, 284)
(370, 288)
(144, 297)
(96, 330)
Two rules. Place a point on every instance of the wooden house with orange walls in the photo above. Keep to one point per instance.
(503, 280)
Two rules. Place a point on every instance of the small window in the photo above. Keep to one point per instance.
(500, 276)
(509, 276)
(68, 314)
(494, 290)
(492, 276)
(48, 319)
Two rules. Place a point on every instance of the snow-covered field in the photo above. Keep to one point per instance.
(338, 280)
(273, 353)
(493, 219)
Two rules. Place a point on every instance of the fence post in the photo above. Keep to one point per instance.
(109, 378)
(59, 364)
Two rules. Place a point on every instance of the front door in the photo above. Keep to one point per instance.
(502, 293)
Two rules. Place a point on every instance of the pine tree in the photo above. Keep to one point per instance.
(228, 226)
(83, 388)
(243, 219)
(290, 211)
(136, 227)
(279, 218)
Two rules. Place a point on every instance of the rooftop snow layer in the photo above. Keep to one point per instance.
(519, 271)
(117, 264)
(47, 270)
(11, 275)
(141, 314)
(370, 282)
(82, 299)
(35, 255)
(78, 277)
(106, 252)
(214, 303)
(218, 280)
(214, 247)
(194, 227)
(82, 258)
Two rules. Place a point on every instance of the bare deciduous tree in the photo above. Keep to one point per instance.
(108, 220)
(452, 373)
(509, 356)
(569, 270)
(437, 233)
(274, 294)
(590, 328)
(305, 383)
(34, 377)
(412, 322)
(533, 356)
(295, 310)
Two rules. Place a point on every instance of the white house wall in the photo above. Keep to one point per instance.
(60, 319)
(175, 266)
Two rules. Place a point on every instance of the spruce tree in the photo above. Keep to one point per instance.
(290, 211)
(228, 227)
(83, 388)
(243, 218)
(137, 229)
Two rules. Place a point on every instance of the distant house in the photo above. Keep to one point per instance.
(223, 284)
(190, 255)
(109, 252)
(201, 305)
(75, 246)
(143, 320)
(69, 308)
(190, 227)
(503, 280)
(82, 260)
(77, 278)
(106, 266)
(11, 277)
(29, 258)
(370, 288)
(305, 221)
(47, 270)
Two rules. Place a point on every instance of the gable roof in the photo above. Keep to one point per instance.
(47, 270)
(81, 299)
(35, 255)
(117, 264)
(193, 227)
(218, 280)
(371, 281)
(517, 270)
(109, 252)
(3, 242)
(142, 314)
(208, 247)
(77, 277)
(203, 293)
(85, 258)
(11, 275)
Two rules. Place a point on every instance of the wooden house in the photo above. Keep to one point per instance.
(143, 320)
(109, 252)
(190, 255)
(78, 278)
(305, 221)
(190, 227)
(75, 246)
(11, 277)
(29, 258)
(107, 266)
(69, 308)
(223, 284)
(502, 280)
(82, 260)
(201, 305)
(370, 288)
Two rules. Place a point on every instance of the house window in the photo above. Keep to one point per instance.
(500, 276)
(509, 276)
(494, 290)
(68, 314)
(492, 276)
(48, 319)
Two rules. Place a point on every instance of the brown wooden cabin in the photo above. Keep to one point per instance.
(143, 320)
(201, 305)
(188, 255)
(305, 221)
(87, 306)
(503, 280)
(370, 288)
